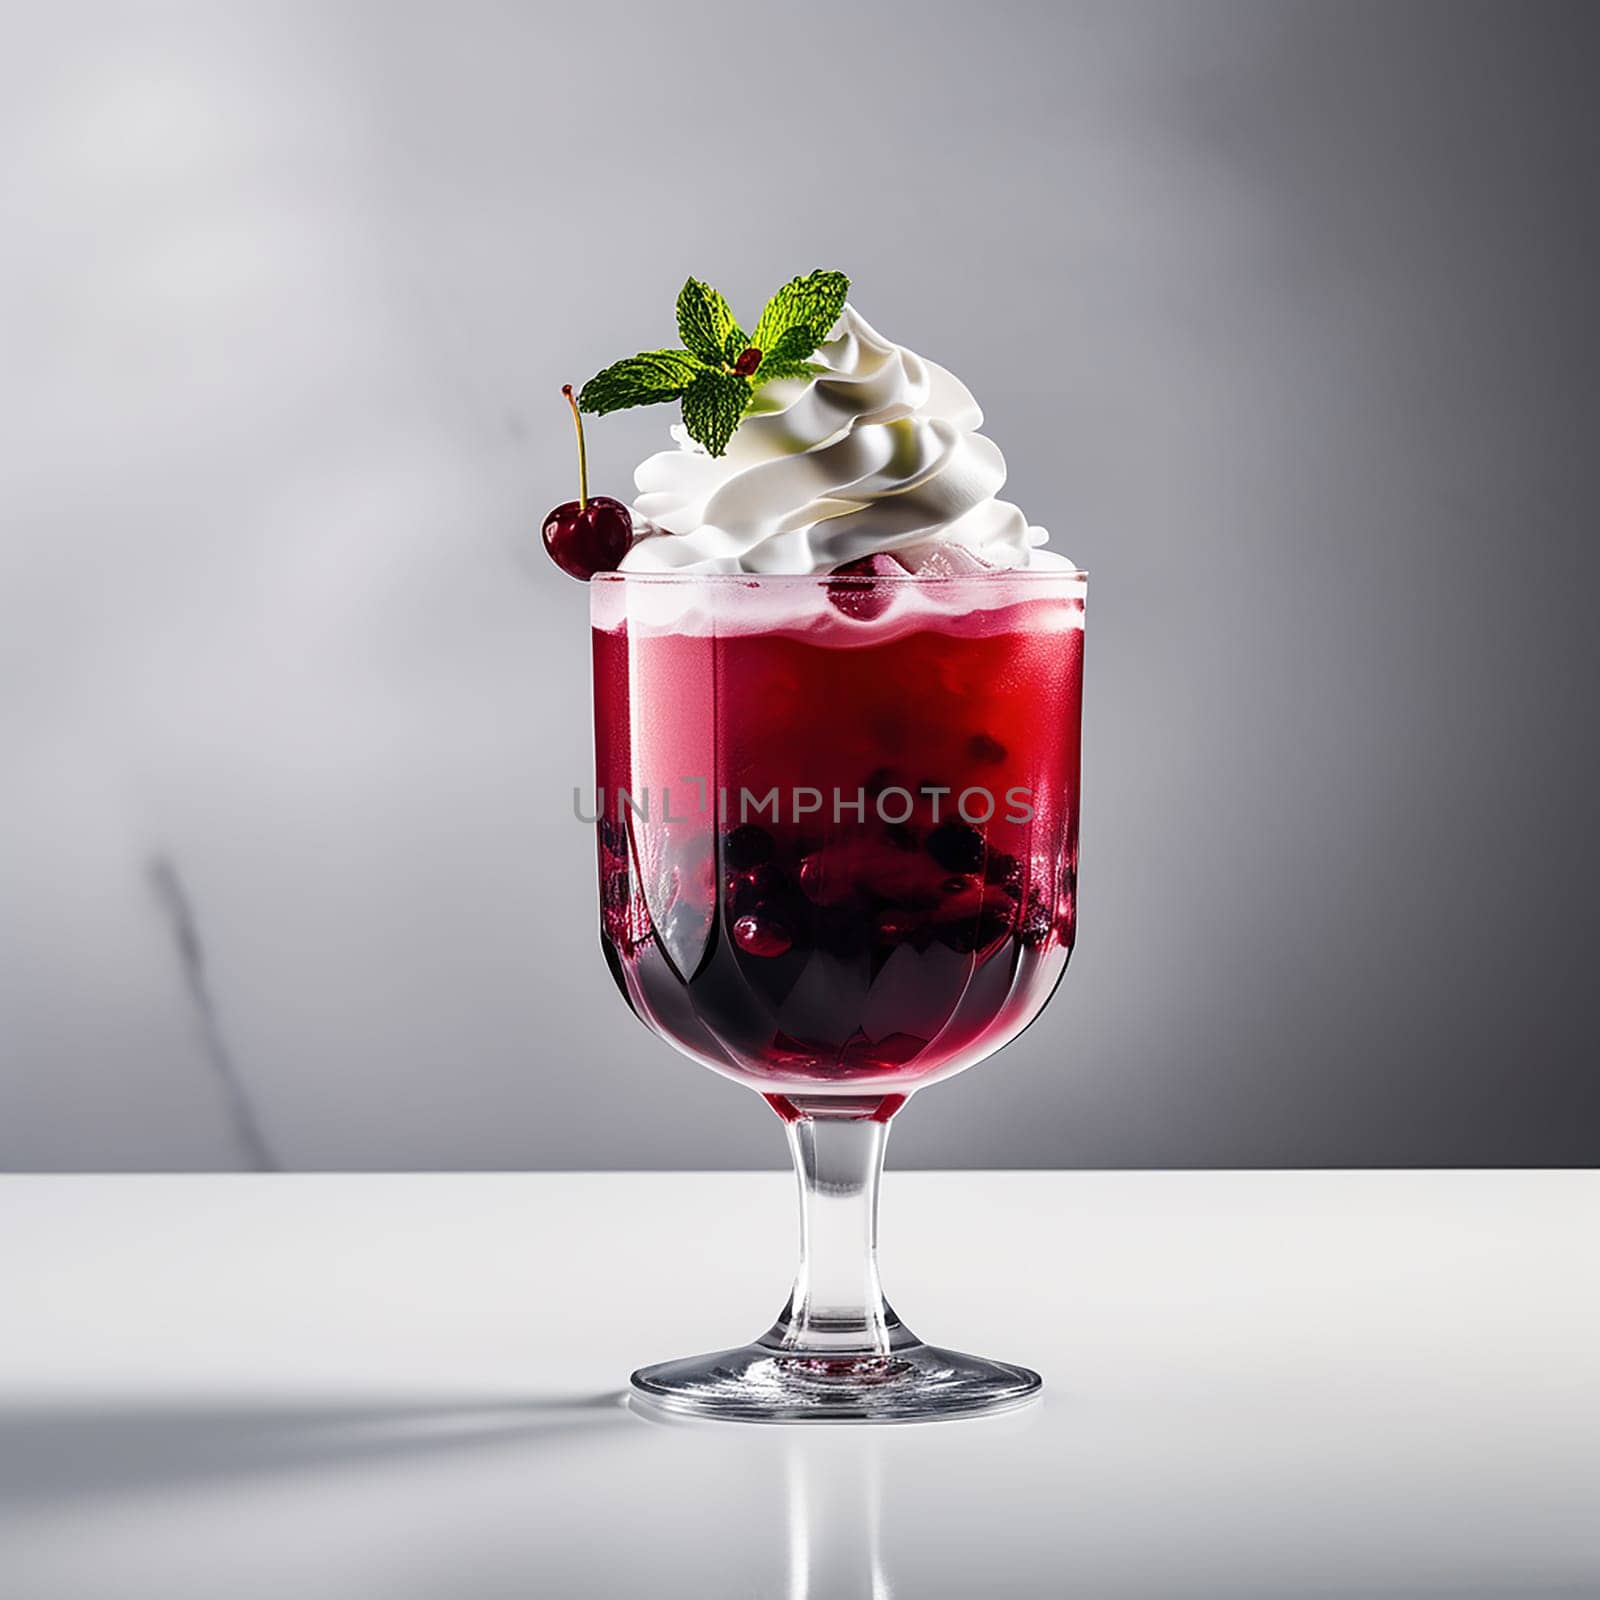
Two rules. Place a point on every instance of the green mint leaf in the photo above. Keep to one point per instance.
(786, 358)
(735, 345)
(793, 344)
(812, 302)
(712, 406)
(642, 380)
(705, 323)
(777, 367)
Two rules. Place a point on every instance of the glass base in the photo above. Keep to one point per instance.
(756, 1383)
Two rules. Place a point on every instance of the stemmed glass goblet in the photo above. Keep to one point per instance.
(838, 824)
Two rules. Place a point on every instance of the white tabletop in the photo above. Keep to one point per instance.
(1273, 1384)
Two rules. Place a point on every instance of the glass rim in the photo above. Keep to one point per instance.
(850, 579)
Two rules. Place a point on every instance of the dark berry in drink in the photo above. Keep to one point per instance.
(748, 846)
(864, 601)
(758, 936)
(956, 846)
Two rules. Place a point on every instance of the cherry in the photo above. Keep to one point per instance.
(757, 936)
(865, 601)
(589, 534)
(584, 538)
(814, 879)
(748, 361)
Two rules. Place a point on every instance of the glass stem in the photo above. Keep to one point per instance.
(837, 1309)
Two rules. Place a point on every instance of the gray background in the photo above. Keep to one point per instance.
(1283, 316)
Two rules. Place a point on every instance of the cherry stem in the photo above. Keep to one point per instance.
(583, 455)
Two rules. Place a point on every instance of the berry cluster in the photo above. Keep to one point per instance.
(860, 894)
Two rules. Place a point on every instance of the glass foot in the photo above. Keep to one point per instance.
(757, 1383)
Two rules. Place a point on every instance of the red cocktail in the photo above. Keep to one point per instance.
(838, 834)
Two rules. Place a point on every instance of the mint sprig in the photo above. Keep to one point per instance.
(720, 367)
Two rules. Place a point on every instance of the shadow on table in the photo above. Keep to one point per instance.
(65, 1452)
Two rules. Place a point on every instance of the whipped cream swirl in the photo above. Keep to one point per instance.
(877, 454)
